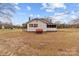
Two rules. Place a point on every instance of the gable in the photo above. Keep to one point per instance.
(35, 21)
(43, 20)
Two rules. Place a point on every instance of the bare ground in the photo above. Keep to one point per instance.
(20, 43)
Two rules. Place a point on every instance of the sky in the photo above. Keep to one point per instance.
(63, 12)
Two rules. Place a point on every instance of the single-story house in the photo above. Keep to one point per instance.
(40, 23)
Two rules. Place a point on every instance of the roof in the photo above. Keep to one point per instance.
(40, 19)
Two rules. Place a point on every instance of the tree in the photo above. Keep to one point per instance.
(0, 24)
(75, 23)
(6, 11)
(24, 25)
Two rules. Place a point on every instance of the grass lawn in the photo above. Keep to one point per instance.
(18, 42)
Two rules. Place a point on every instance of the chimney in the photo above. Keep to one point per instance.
(50, 20)
(29, 18)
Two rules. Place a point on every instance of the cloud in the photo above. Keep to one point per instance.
(59, 14)
(28, 8)
(77, 4)
(5, 19)
(37, 15)
(73, 16)
(73, 12)
(77, 11)
(49, 10)
(65, 16)
(17, 7)
(7, 12)
(58, 5)
(31, 15)
(49, 7)
(16, 3)
(62, 16)
(34, 15)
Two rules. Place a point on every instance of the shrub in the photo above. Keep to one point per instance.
(39, 30)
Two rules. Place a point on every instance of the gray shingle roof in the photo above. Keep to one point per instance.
(41, 19)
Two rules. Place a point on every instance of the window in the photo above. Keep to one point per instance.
(35, 25)
(48, 26)
(51, 26)
(30, 25)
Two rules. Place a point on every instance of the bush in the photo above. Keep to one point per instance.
(39, 30)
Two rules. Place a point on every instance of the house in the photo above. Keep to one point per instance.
(40, 23)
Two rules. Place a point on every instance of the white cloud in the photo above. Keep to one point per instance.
(17, 7)
(73, 16)
(58, 5)
(16, 3)
(77, 11)
(38, 15)
(59, 14)
(52, 6)
(31, 15)
(44, 5)
(77, 4)
(5, 19)
(7, 12)
(73, 12)
(63, 17)
(28, 8)
(49, 10)
(34, 15)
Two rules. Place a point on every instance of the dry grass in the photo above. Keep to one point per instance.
(17, 42)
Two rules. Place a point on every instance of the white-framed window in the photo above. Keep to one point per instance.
(33, 25)
(30, 25)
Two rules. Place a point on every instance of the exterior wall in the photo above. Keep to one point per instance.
(41, 25)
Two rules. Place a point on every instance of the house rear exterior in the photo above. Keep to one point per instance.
(43, 24)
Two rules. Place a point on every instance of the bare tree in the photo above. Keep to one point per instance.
(6, 12)
(75, 23)
(6, 9)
